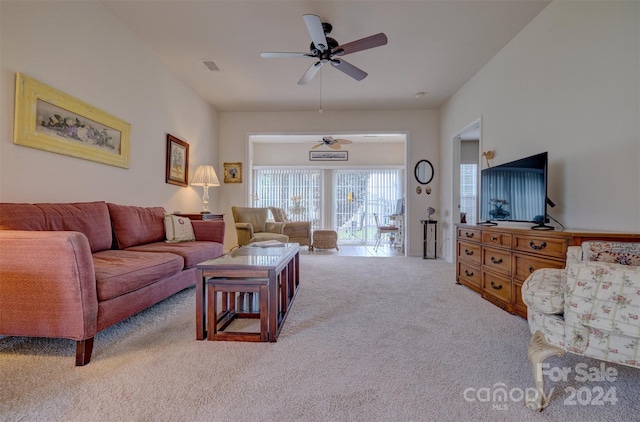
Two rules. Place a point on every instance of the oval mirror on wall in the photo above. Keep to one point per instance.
(424, 172)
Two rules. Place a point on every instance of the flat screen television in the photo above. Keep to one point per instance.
(515, 191)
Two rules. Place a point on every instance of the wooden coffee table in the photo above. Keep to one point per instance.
(272, 273)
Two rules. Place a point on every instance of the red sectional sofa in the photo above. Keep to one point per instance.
(71, 270)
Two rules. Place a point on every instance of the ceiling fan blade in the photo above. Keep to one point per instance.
(349, 69)
(282, 55)
(310, 73)
(344, 141)
(362, 44)
(335, 146)
(314, 26)
(317, 145)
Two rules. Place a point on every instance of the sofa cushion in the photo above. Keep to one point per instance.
(544, 289)
(120, 272)
(178, 229)
(88, 218)
(136, 225)
(624, 253)
(193, 253)
(613, 347)
(279, 215)
(604, 296)
(257, 217)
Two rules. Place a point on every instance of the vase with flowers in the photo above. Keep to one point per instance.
(297, 208)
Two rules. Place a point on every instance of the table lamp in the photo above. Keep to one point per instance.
(205, 176)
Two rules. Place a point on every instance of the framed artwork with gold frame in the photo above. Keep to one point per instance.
(53, 121)
(233, 172)
(177, 171)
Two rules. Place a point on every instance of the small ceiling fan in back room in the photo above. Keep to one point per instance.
(328, 50)
(331, 142)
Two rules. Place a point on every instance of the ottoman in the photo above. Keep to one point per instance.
(324, 239)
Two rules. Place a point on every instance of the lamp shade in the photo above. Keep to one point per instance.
(205, 176)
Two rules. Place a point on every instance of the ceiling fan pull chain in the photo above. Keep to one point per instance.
(320, 111)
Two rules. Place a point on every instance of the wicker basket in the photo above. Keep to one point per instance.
(325, 239)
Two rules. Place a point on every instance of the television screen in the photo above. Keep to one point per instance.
(515, 191)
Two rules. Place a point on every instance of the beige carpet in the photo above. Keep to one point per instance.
(368, 339)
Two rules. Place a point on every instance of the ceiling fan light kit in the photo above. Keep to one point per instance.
(326, 50)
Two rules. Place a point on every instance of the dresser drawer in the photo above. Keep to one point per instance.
(496, 260)
(553, 247)
(497, 285)
(525, 265)
(470, 274)
(518, 305)
(470, 252)
(469, 235)
(496, 239)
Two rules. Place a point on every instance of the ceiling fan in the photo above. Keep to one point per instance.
(332, 143)
(327, 50)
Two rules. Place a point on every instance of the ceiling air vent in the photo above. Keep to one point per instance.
(211, 65)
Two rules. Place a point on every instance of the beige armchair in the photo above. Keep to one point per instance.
(298, 231)
(589, 308)
(252, 226)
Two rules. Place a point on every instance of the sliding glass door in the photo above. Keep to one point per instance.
(359, 194)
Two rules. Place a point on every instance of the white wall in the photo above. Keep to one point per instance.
(568, 83)
(420, 125)
(292, 154)
(81, 49)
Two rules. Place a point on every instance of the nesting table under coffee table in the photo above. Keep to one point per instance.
(271, 272)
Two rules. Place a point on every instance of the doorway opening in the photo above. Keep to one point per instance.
(466, 171)
(341, 195)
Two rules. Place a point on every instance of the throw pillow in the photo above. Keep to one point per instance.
(623, 253)
(178, 229)
(279, 215)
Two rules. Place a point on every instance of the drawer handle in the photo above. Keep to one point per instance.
(493, 238)
(493, 285)
(536, 247)
(468, 274)
(530, 269)
(469, 235)
(496, 261)
(468, 252)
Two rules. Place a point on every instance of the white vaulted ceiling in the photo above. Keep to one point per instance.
(434, 47)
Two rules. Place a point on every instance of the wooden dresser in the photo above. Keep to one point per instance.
(495, 261)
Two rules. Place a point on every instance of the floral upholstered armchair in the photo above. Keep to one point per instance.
(252, 226)
(298, 231)
(590, 308)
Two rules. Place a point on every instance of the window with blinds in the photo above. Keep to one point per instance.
(297, 191)
(468, 191)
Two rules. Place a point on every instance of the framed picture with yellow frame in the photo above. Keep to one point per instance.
(51, 120)
(233, 172)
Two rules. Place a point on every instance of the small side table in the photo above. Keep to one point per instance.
(425, 238)
(207, 217)
(324, 239)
